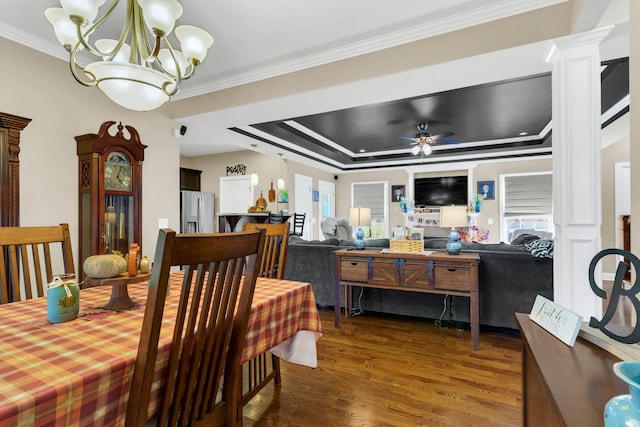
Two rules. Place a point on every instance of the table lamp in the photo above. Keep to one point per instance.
(453, 216)
(360, 217)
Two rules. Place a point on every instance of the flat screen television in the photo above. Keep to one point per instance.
(442, 191)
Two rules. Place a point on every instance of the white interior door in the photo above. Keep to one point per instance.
(304, 202)
(327, 202)
(236, 194)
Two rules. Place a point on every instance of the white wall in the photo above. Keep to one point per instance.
(41, 88)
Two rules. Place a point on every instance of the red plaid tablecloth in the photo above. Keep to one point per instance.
(77, 373)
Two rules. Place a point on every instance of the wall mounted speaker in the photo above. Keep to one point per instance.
(183, 130)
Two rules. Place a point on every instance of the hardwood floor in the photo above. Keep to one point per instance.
(385, 371)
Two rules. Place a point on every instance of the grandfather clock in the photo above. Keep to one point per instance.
(110, 190)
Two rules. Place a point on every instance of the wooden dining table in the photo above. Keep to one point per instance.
(78, 373)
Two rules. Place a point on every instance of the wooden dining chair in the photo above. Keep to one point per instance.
(209, 328)
(273, 265)
(298, 224)
(28, 258)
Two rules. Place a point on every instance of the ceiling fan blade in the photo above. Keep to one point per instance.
(409, 138)
(442, 135)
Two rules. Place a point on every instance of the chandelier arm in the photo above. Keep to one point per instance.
(74, 66)
(179, 75)
(82, 37)
(140, 43)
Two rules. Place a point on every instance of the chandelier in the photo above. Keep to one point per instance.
(140, 70)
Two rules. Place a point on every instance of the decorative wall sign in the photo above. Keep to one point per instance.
(618, 291)
(557, 320)
(238, 169)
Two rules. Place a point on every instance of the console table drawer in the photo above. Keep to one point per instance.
(452, 277)
(354, 270)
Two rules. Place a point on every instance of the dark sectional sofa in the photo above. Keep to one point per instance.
(510, 278)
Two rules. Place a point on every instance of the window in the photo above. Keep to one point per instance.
(526, 203)
(373, 195)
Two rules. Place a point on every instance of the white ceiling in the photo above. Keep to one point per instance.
(255, 40)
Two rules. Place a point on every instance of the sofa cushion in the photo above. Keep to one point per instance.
(524, 238)
(372, 243)
(297, 240)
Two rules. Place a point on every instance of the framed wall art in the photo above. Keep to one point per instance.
(487, 189)
(397, 192)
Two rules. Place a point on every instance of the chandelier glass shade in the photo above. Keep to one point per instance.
(140, 70)
(423, 147)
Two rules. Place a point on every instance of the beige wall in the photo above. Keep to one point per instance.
(41, 88)
(618, 152)
(266, 166)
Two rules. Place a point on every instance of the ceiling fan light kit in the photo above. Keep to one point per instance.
(138, 75)
(423, 140)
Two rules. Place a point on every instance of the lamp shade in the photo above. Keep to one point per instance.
(453, 216)
(360, 216)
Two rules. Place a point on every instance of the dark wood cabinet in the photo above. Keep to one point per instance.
(10, 128)
(190, 179)
(562, 385)
(110, 190)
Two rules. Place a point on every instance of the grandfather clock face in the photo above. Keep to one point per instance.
(117, 172)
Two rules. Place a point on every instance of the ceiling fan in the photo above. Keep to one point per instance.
(423, 141)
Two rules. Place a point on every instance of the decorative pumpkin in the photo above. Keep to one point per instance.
(104, 266)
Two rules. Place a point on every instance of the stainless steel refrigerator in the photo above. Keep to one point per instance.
(197, 212)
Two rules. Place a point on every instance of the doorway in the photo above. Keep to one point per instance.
(303, 197)
(326, 203)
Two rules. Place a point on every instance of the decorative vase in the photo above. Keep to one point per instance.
(360, 243)
(624, 410)
(272, 193)
(477, 207)
(261, 202)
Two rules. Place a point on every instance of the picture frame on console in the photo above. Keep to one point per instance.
(487, 188)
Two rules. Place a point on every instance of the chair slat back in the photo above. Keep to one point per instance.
(298, 223)
(209, 328)
(27, 260)
(274, 256)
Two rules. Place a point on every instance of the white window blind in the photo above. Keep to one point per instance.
(370, 195)
(528, 195)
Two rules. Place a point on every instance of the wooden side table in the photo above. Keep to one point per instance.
(433, 272)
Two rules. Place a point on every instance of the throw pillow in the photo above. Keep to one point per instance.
(524, 238)
(540, 248)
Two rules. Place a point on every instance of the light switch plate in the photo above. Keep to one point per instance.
(163, 222)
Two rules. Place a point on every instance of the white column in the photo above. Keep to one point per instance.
(577, 194)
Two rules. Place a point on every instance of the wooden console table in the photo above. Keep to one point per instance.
(436, 273)
(562, 385)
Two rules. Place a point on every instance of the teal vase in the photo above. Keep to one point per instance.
(624, 410)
